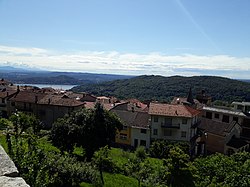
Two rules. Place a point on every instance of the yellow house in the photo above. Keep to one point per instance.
(127, 117)
(124, 136)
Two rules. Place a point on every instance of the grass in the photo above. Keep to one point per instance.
(121, 157)
(114, 180)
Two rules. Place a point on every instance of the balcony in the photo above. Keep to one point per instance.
(170, 125)
(2, 104)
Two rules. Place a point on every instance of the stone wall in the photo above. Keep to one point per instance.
(9, 175)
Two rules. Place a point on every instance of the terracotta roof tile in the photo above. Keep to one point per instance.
(27, 96)
(172, 110)
(60, 100)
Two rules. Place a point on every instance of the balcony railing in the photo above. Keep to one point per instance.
(170, 125)
(2, 104)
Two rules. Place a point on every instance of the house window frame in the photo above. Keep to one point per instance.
(143, 131)
(186, 121)
(156, 119)
(225, 118)
(183, 134)
(155, 132)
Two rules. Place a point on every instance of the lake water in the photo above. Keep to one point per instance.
(55, 86)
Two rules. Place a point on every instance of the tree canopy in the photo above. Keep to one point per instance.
(88, 128)
(164, 88)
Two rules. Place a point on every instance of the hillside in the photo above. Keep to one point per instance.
(28, 76)
(163, 88)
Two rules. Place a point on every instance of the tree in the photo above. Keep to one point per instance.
(88, 128)
(138, 166)
(103, 161)
(177, 168)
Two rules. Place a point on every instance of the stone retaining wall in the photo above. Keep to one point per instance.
(9, 175)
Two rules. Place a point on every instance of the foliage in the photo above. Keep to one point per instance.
(102, 161)
(138, 166)
(221, 170)
(40, 164)
(90, 129)
(177, 170)
(161, 88)
(4, 124)
(161, 148)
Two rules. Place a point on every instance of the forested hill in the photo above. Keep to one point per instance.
(163, 88)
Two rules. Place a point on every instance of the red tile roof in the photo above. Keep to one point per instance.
(7, 93)
(172, 110)
(60, 100)
(27, 96)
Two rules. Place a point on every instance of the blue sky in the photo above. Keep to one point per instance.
(163, 37)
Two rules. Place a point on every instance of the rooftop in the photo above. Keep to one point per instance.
(172, 110)
(133, 119)
(216, 127)
(241, 103)
(224, 111)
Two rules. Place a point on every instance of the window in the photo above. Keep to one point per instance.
(12, 103)
(216, 115)
(239, 107)
(124, 127)
(168, 121)
(209, 115)
(2, 100)
(184, 121)
(225, 118)
(24, 105)
(142, 142)
(155, 118)
(183, 134)
(167, 132)
(144, 131)
(123, 136)
(155, 132)
(235, 119)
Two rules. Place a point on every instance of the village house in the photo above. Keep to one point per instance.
(225, 115)
(48, 106)
(174, 123)
(136, 131)
(51, 107)
(245, 108)
(222, 137)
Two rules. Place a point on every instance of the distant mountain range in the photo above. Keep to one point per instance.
(28, 76)
(165, 88)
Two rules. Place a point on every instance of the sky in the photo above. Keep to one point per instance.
(130, 37)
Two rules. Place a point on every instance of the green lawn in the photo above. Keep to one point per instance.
(116, 180)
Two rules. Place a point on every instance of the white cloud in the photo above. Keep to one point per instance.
(128, 63)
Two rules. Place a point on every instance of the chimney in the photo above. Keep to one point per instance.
(36, 99)
(18, 88)
(49, 100)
